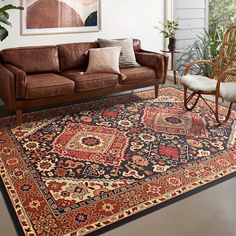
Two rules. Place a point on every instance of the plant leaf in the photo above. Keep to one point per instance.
(4, 16)
(10, 7)
(3, 33)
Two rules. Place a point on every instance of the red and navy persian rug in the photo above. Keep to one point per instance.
(87, 166)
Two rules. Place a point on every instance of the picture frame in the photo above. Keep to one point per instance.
(60, 16)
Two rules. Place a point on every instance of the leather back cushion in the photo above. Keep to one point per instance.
(73, 56)
(137, 45)
(33, 60)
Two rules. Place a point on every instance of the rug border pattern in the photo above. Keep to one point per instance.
(228, 156)
(222, 170)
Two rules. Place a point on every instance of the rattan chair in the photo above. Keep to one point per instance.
(221, 83)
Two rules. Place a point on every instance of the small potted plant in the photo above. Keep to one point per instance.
(169, 30)
(4, 16)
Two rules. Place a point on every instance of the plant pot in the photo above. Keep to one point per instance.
(172, 44)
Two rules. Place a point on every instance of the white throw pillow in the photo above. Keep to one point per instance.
(104, 60)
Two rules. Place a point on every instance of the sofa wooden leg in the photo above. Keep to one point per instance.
(156, 90)
(6, 110)
(18, 117)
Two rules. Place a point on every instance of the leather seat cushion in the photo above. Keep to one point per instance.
(48, 85)
(91, 81)
(134, 75)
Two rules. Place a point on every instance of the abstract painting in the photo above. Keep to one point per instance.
(60, 16)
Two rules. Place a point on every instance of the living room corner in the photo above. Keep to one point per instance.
(117, 117)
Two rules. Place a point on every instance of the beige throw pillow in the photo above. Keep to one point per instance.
(104, 60)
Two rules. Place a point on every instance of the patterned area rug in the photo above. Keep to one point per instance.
(80, 169)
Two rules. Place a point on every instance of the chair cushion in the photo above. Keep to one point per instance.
(86, 82)
(140, 74)
(228, 91)
(199, 82)
(202, 83)
(48, 85)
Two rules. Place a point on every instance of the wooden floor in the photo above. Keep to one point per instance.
(211, 212)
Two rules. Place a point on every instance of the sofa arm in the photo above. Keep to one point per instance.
(157, 61)
(21, 79)
(7, 88)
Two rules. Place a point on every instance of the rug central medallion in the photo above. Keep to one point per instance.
(91, 143)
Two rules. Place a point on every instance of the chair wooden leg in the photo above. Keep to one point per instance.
(18, 117)
(156, 91)
(187, 99)
(217, 112)
(229, 111)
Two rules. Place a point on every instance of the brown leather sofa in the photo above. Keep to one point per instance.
(36, 76)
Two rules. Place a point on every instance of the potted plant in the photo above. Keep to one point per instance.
(4, 16)
(169, 30)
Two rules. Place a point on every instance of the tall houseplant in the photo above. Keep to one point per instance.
(4, 19)
(169, 30)
(206, 47)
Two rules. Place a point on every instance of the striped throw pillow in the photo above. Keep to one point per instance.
(127, 57)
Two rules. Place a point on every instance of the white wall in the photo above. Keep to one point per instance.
(120, 19)
(193, 18)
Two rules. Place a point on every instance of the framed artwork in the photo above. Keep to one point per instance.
(60, 16)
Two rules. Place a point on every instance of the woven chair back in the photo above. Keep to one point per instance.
(227, 56)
